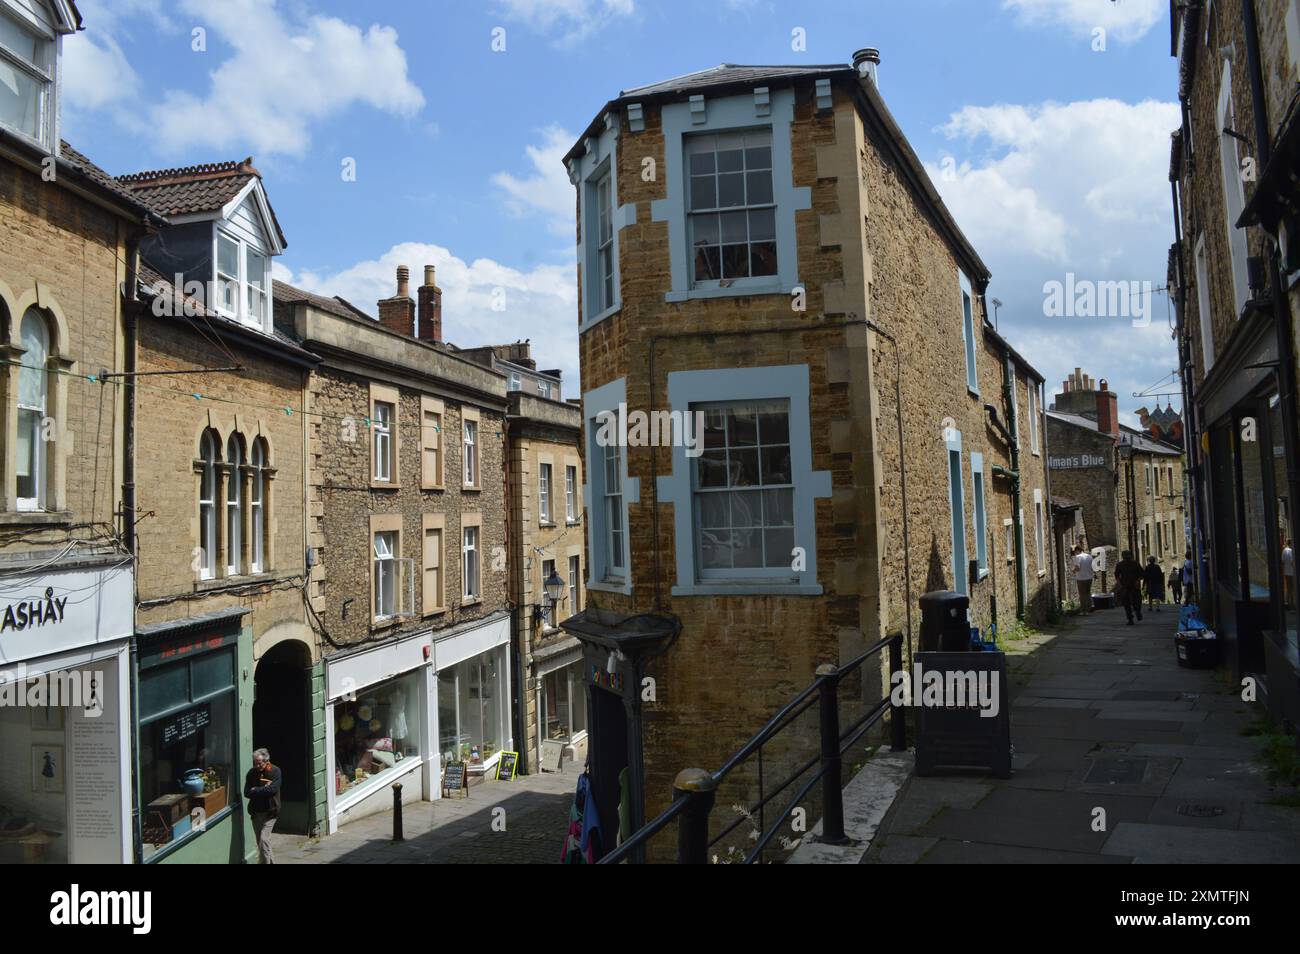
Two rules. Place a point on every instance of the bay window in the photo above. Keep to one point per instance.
(242, 281)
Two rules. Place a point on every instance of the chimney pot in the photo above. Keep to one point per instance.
(429, 272)
(429, 327)
(403, 282)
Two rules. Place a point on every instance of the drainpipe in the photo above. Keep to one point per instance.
(1286, 375)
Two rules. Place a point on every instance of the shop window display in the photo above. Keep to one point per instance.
(471, 722)
(188, 738)
(375, 732)
(564, 704)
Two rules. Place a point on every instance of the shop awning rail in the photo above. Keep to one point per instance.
(695, 790)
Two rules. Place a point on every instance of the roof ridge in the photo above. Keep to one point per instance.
(205, 170)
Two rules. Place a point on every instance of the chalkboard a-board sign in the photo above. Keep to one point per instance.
(180, 727)
(552, 755)
(506, 766)
(454, 778)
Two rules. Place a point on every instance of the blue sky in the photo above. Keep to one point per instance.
(1051, 154)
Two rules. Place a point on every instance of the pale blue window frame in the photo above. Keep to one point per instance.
(687, 389)
(602, 571)
(968, 332)
(730, 114)
(957, 506)
(980, 505)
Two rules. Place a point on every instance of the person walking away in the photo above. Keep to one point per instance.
(1189, 579)
(1176, 585)
(1128, 584)
(262, 789)
(1154, 578)
(1083, 577)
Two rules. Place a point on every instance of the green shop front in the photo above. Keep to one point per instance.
(193, 719)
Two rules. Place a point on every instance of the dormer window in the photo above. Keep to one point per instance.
(27, 69)
(241, 280)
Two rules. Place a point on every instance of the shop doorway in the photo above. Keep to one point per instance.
(282, 724)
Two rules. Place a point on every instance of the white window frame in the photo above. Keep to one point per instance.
(1146, 470)
(575, 583)
(257, 506)
(957, 512)
(543, 389)
(43, 74)
(1040, 532)
(615, 510)
(385, 568)
(570, 493)
(516, 382)
(470, 565)
(234, 506)
(602, 573)
(544, 475)
(470, 468)
(1033, 416)
(382, 441)
(1203, 305)
(548, 607)
(37, 413)
(694, 144)
(605, 277)
(244, 289)
(968, 332)
(1234, 194)
(209, 454)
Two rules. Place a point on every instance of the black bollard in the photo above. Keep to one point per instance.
(397, 811)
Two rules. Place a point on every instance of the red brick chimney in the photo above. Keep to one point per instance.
(1107, 410)
(398, 313)
(430, 298)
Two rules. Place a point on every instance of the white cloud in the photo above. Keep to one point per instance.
(1124, 20)
(569, 20)
(1082, 187)
(540, 304)
(547, 190)
(96, 73)
(283, 76)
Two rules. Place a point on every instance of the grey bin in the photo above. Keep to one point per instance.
(945, 626)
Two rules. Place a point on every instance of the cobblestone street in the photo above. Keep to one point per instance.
(454, 830)
(1103, 717)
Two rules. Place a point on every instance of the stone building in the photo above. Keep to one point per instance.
(761, 252)
(407, 505)
(544, 482)
(1234, 265)
(68, 237)
(1128, 485)
(227, 660)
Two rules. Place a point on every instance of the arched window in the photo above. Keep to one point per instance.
(257, 506)
(208, 457)
(234, 505)
(33, 397)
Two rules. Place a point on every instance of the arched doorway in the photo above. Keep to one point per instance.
(282, 725)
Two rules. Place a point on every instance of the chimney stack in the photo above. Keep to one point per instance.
(398, 313)
(867, 62)
(1107, 410)
(430, 315)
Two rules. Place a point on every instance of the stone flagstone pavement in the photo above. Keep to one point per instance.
(454, 830)
(1102, 716)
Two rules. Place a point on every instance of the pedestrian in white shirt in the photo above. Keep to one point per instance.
(1083, 577)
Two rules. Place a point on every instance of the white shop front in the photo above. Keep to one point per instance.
(401, 710)
(65, 713)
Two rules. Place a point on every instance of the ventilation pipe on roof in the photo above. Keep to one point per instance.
(867, 62)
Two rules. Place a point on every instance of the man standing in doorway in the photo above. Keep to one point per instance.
(1083, 577)
(1128, 581)
(262, 789)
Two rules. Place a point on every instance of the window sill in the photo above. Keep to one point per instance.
(384, 485)
(437, 611)
(755, 588)
(472, 488)
(471, 602)
(547, 524)
(973, 392)
(35, 517)
(621, 586)
(772, 287)
(230, 582)
(598, 318)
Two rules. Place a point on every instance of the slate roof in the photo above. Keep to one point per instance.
(152, 283)
(1128, 436)
(283, 291)
(726, 73)
(190, 190)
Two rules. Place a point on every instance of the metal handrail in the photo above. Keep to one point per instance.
(695, 789)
